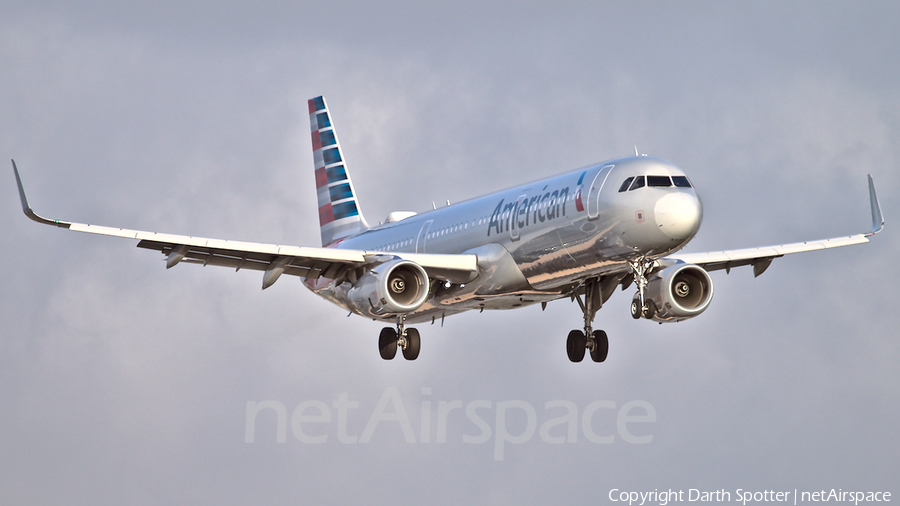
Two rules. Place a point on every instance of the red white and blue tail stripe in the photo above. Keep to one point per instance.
(339, 214)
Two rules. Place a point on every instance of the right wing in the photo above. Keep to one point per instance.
(760, 258)
(273, 259)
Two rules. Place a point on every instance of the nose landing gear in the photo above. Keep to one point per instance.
(647, 310)
(641, 307)
(594, 340)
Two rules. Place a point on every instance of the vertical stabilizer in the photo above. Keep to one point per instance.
(339, 214)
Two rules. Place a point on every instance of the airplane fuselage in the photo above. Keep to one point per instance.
(536, 242)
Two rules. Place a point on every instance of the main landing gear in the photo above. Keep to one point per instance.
(407, 339)
(594, 340)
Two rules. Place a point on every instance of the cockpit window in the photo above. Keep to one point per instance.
(638, 183)
(681, 181)
(659, 181)
(625, 184)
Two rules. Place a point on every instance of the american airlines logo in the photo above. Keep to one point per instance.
(525, 211)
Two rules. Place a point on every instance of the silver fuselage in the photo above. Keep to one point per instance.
(538, 241)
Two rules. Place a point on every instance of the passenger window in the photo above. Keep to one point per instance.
(681, 181)
(659, 181)
(625, 184)
(638, 183)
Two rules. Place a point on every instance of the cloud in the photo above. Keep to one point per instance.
(122, 379)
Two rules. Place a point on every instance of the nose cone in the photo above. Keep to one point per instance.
(678, 215)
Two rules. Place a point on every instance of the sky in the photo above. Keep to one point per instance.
(125, 383)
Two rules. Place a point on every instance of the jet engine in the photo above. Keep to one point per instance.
(394, 287)
(679, 292)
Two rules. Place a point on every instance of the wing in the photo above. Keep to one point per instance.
(273, 259)
(761, 258)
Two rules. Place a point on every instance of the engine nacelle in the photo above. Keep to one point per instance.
(394, 287)
(679, 292)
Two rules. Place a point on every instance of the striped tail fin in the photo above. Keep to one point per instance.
(339, 214)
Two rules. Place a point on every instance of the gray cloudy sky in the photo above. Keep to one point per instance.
(124, 383)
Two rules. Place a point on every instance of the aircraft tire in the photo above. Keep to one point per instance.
(575, 345)
(601, 346)
(413, 343)
(650, 310)
(636, 308)
(387, 343)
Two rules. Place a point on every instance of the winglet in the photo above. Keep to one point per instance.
(877, 217)
(27, 210)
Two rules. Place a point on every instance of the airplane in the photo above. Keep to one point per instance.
(578, 235)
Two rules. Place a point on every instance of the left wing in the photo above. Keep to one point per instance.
(274, 259)
(761, 258)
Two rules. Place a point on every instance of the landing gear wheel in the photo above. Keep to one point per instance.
(411, 350)
(387, 343)
(601, 346)
(636, 308)
(649, 310)
(575, 345)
